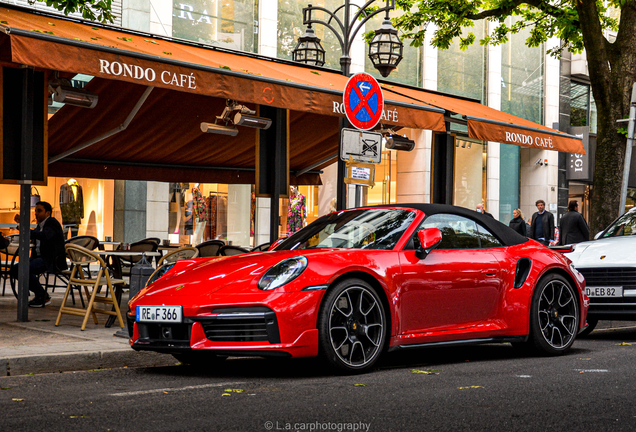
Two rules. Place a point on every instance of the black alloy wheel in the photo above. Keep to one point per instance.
(554, 316)
(352, 326)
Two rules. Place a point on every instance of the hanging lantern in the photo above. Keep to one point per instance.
(309, 50)
(385, 49)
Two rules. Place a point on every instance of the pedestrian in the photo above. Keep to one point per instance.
(48, 255)
(481, 209)
(542, 225)
(517, 223)
(572, 227)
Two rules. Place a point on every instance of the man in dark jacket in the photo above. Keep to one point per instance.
(48, 255)
(573, 228)
(542, 225)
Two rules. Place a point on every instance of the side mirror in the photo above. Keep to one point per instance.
(429, 239)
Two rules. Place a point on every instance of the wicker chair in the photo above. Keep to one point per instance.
(185, 252)
(210, 248)
(232, 250)
(81, 259)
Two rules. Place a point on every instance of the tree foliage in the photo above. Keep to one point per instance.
(94, 10)
(578, 24)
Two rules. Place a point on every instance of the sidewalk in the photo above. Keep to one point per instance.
(38, 346)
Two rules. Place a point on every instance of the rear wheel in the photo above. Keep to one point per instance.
(591, 325)
(554, 316)
(352, 326)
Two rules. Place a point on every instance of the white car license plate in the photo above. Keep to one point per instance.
(167, 314)
(604, 291)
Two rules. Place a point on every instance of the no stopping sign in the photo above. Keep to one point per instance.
(363, 101)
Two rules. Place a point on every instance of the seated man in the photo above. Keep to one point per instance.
(48, 255)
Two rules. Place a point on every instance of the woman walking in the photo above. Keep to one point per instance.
(517, 223)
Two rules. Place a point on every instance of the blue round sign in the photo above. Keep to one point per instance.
(363, 101)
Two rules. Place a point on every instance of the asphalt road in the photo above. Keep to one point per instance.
(477, 388)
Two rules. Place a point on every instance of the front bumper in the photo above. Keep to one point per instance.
(285, 327)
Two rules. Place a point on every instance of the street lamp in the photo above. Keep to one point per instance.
(385, 50)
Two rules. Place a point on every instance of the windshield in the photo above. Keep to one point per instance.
(623, 226)
(355, 229)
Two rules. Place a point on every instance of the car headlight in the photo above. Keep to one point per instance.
(282, 273)
(160, 272)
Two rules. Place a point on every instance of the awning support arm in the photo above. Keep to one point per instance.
(314, 165)
(108, 134)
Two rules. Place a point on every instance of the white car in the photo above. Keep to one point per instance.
(608, 264)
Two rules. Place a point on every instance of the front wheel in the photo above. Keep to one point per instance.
(352, 326)
(555, 316)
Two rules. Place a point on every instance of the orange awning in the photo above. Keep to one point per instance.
(112, 53)
(489, 124)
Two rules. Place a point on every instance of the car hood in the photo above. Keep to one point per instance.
(608, 252)
(235, 274)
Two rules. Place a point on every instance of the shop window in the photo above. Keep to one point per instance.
(231, 24)
(384, 191)
(582, 106)
(291, 27)
(469, 173)
(462, 72)
(522, 77)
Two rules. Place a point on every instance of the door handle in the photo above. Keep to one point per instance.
(489, 272)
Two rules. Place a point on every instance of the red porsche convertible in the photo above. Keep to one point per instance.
(356, 283)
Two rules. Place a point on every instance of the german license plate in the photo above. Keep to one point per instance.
(604, 291)
(164, 314)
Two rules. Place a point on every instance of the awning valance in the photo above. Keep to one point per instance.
(65, 45)
(489, 124)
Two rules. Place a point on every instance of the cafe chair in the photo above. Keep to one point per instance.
(232, 250)
(7, 260)
(146, 245)
(152, 239)
(210, 248)
(261, 247)
(81, 260)
(185, 252)
(86, 241)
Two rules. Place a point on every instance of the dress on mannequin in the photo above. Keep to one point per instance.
(71, 206)
(200, 211)
(297, 212)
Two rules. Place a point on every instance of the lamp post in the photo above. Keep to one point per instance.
(385, 51)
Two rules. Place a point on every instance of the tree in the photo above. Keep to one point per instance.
(579, 24)
(94, 10)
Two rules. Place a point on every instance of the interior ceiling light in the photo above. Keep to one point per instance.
(62, 91)
(243, 117)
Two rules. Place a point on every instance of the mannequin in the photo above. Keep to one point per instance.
(297, 214)
(200, 210)
(71, 206)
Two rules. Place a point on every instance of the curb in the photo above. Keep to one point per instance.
(15, 366)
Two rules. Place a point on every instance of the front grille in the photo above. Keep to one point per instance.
(256, 324)
(613, 276)
(174, 333)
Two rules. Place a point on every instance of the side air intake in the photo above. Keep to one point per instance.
(523, 270)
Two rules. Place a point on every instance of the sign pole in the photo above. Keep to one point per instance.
(628, 151)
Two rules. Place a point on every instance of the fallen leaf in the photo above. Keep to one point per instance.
(314, 72)
(151, 41)
(167, 53)
(94, 28)
(5, 388)
(625, 343)
(225, 67)
(424, 372)
(234, 390)
(226, 394)
(4, 22)
(51, 24)
(470, 387)
(17, 399)
(360, 385)
(585, 359)
(166, 392)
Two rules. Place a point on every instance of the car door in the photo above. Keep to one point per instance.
(457, 285)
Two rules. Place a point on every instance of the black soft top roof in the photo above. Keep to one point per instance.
(504, 233)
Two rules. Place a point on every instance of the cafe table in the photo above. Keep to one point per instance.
(113, 260)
